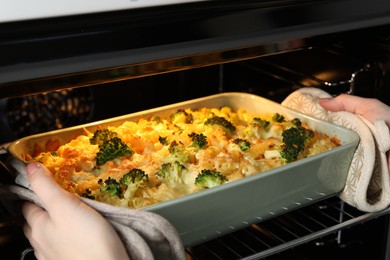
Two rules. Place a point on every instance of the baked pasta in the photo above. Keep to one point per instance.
(140, 163)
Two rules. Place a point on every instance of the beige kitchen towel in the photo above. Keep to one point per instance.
(146, 235)
(367, 187)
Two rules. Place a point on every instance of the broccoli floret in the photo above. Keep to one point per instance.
(289, 153)
(265, 124)
(294, 139)
(110, 187)
(132, 181)
(298, 136)
(209, 178)
(222, 122)
(278, 118)
(307, 134)
(243, 144)
(102, 135)
(88, 194)
(181, 116)
(133, 176)
(199, 141)
(296, 122)
(157, 119)
(163, 140)
(172, 173)
(178, 151)
(112, 149)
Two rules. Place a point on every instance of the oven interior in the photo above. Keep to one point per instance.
(337, 63)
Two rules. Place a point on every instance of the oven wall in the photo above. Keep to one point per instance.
(339, 65)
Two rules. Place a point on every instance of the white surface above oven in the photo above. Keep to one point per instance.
(19, 10)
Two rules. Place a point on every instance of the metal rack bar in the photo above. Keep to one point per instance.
(284, 232)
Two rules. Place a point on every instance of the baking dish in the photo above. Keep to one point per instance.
(214, 212)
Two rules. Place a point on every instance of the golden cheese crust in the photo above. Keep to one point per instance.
(151, 141)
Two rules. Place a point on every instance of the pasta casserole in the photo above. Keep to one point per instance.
(151, 160)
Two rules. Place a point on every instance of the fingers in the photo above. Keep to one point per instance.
(35, 216)
(388, 160)
(370, 109)
(343, 102)
(45, 187)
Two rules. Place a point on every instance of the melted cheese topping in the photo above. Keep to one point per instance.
(74, 164)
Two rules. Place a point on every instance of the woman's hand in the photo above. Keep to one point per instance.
(68, 228)
(369, 108)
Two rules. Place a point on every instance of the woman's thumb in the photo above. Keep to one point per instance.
(42, 183)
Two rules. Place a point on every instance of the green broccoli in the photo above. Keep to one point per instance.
(289, 153)
(209, 178)
(294, 139)
(132, 181)
(265, 124)
(101, 135)
(157, 119)
(163, 140)
(172, 173)
(222, 122)
(110, 187)
(199, 141)
(278, 118)
(88, 194)
(243, 144)
(296, 122)
(177, 150)
(307, 134)
(181, 116)
(112, 149)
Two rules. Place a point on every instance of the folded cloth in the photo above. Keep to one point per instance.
(146, 235)
(367, 186)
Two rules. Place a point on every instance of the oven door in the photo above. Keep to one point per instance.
(40, 55)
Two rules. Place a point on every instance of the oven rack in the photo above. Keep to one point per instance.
(274, 236)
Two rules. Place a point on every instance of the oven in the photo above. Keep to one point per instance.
(65, 68)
